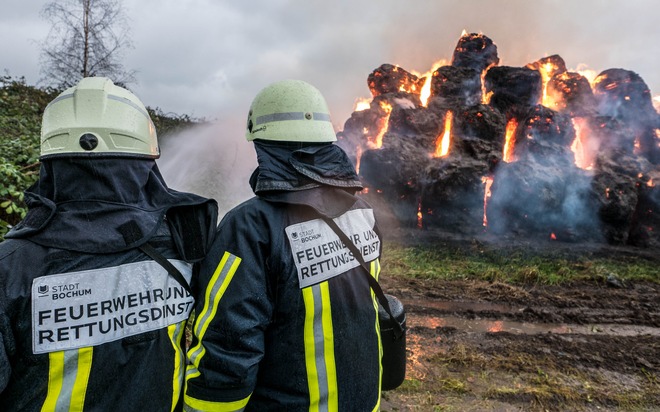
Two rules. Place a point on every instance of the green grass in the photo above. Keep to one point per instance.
(444, 263)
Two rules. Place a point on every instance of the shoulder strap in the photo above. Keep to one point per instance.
(375, 286)
(171, 269)
(131, 233)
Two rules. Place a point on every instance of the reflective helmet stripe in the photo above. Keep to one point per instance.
(280, 117)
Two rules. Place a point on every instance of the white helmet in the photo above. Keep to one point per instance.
(290, 111)
(97, 118)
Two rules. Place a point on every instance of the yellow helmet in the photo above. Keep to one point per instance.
(97, 118)
(290, 111)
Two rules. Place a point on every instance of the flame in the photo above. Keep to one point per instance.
(425, 93)
(464, 33)
(377, 141)
(547, 70)
(553, 236)
(419, 214)
(650, 183)
(442, 143)
(488, 182)
(656, 103)
(583, 158)
(361, 104)
(485, 96)
(586, 72)
(509, 141)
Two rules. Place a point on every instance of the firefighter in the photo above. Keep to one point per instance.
(92, 317)
(284, 318)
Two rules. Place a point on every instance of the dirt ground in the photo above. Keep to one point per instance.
(487, 346)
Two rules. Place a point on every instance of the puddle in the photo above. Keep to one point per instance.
(489, 325)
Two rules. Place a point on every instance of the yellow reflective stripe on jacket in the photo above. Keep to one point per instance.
(175, 332)
(197, 405)
(68, 375)
(319, 349)
(216, 288)
(374, 267)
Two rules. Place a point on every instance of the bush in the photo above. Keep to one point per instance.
(21, 109)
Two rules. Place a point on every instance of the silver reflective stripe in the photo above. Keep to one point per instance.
(130, 103)
(188, 408)
(68, 380)
(280, 117)
(319, 349)
(322, 116)
(62, 97)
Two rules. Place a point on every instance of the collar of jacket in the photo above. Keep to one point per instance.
(328, 201)
(82, 204)
(286, 167)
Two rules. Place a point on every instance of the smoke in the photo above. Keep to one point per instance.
(209, 161)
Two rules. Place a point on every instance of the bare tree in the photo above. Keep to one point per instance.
(87, 38)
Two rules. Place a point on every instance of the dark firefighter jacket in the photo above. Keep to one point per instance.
(285, 318)
(88, 322)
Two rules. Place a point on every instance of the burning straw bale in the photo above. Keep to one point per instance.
(550, 66)
(455, 86)
(479, 130)
(546, 136)
(390, 79)
(393, 174)
(475, 51)
(541, 200)
(513, 88)
(624, 96)
(571, 94)
(616, 188)
(414, 121)
(533, 150)
(452, 194)
(646, 217)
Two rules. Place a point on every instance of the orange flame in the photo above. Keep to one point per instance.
(425, 93)
(419, 214)
(587, 73)
(488, 182)
(361, 104)
(377, 141)
(485, 96)
(442, 143)
(509, 141)
(547, 70)
(583, 159)
(553, 236)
